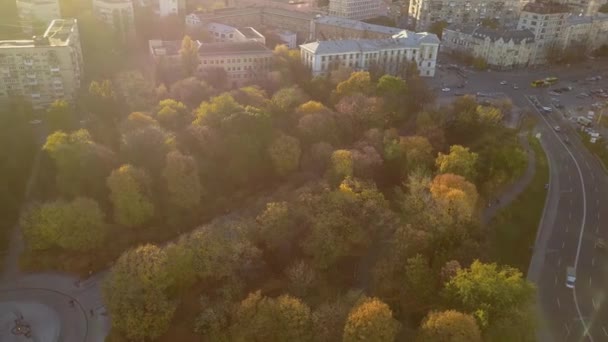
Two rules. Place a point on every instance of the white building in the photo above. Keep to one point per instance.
(357, 9)
(226, 33)
(37, 14)
(548, 22)
(288, 37)
(118, 15)
(44, 69)
(588, 32)
(390, 54)
(501, 49)
(171, 7)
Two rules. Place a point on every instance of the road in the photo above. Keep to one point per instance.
(576, 211)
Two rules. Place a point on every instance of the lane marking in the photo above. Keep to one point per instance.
(594, 303)
(559, 305)
(580, 236)
(555, 280)
(570, 202)
(586, 163)
(566, 229)
(570, 178)
(592, 177)
(596, 201)
(563, 244)
(567, 330)
(598, 215)
(570, 215)
(605, 332)
(589, 281)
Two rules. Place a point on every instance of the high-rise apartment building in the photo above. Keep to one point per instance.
(548, 22)
(171, 7)
(117, 14)
(37, 14)
(43, 69)
(357, 9)
(423, 13)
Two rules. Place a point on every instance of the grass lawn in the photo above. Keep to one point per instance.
(598, 148)
(514, 227)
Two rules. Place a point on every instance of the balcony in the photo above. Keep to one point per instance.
(28, 62)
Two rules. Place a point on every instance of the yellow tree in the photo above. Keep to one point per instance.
(358, 82)
(371, 321)
(459, 161)
(189, 56)
(128, 194)
(449, 326)
(455, 195)
(341, 164)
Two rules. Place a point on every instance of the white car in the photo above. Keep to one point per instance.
(557, 129)
(503, 82)
(548, 109)
(515, 86)
(570, 277)
(445, 90)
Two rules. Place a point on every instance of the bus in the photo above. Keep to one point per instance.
(539, 83)
(551, 80)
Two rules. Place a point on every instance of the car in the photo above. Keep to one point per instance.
(515, 86)
(559, 106)
(547, 109)
(503, 82)
(567, 141)
(570, 277)
(445, 90)
(557, 129)
(600, 244)
(459, 94)
(35, 122)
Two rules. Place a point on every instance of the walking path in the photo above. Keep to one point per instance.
(516, 188)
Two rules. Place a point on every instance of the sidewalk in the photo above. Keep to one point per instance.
(516, 188)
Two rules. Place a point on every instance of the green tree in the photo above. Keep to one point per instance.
(285, 101)
(129, 196)
(251, 96)
(449, 326)
(137, 91)
(491, 293)
(191, 91)
(285, 153)
(276, 225)
(60, 116)
(260, 318)
(77, 225)
(359, 82)
(135, 293)
(603, 8)
(371, 320)
(189, 56)
(480, 63)
(459, 161)
(146, 146)
(420, 282)
(341, 164)
(183, 184)
(219, 107)
(394, 92)
(329, 318)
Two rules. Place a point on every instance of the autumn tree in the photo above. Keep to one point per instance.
(341, 164)
(285, 154)
(183, 185)
(449, 326)
(359, 82)
(371, 320)
(104, 102)
(260, 318)
(329, 318)
(301, 278)
(77, 225)
(277, 226)
(455, 195)
(129, 195)
(251, 96)
(81, 164)
(60, 116)
(190, 91)
(285, 101)
(134, 292)
(189, 56)
(459, 161)
(493, 295)
(173, 115)
(144, 143)
(137, 91)
(217, 108)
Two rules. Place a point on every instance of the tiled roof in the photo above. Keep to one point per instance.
(357, 25)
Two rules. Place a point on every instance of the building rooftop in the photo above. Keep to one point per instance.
(250, 32)
(217, 27)
(584, 19)
(483, 32)
(231, 47)
(364, 45)
(546, 7)
(160, 48)
(58, 33)
(38, 2)
(357, 25)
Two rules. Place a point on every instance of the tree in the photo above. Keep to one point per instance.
(134, 292)
(129, 196)
(459, 161)
(183, 184)
(301, 277)
(341, 164)
(490, 293)
(260, 318)
(286, 100)
(137, 91)
(285, 154)
(449, 270)
(437, 28)
(251, 96)
(329, 318)
(219, 107)
(359, 82)
(77, 225)
(371, 320)
(449, 326)
(146, 147)
(60, 116)
(455, 195)
(603, 8)
(173, 115)
(420, 282)
(189, 56)
(394, 92)
(276, 225)
(190, 91)
(217, 77)
(103, 101)
(81, 165)
(480, 63)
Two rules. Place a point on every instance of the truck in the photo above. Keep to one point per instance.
(583, 121)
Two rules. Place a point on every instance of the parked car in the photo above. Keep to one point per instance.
(557, 129)
(570, 277)
(515, 86)
(445, 90)
(548, 109)
(503, 82)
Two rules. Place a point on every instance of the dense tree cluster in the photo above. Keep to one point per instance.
(333, 183)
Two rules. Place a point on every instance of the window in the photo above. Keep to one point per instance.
(322, 58)
(429, 64)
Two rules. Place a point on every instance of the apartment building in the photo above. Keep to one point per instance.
(225, 33)
(329, 28)
(589, 32)
(117, 14)
(171, 7)
(43, 69)
(501, 49)
(547, 21)
(357, 9)
(423, 13)
(37, 14)
(388, 54)
(244, 62)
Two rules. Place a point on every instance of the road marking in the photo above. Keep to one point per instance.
(605, 332)
(570, 202)
(555, 280)
(570, 215)
(594, 303)
(582, 231)
(559, 305)
(596, 190)
(563, 244)
(570, 178)
(586, 163)
(567, 330)
(566, 229)
(589, 281)
(592, 177)
(598, 215)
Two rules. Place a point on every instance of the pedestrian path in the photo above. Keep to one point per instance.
(511, 193)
